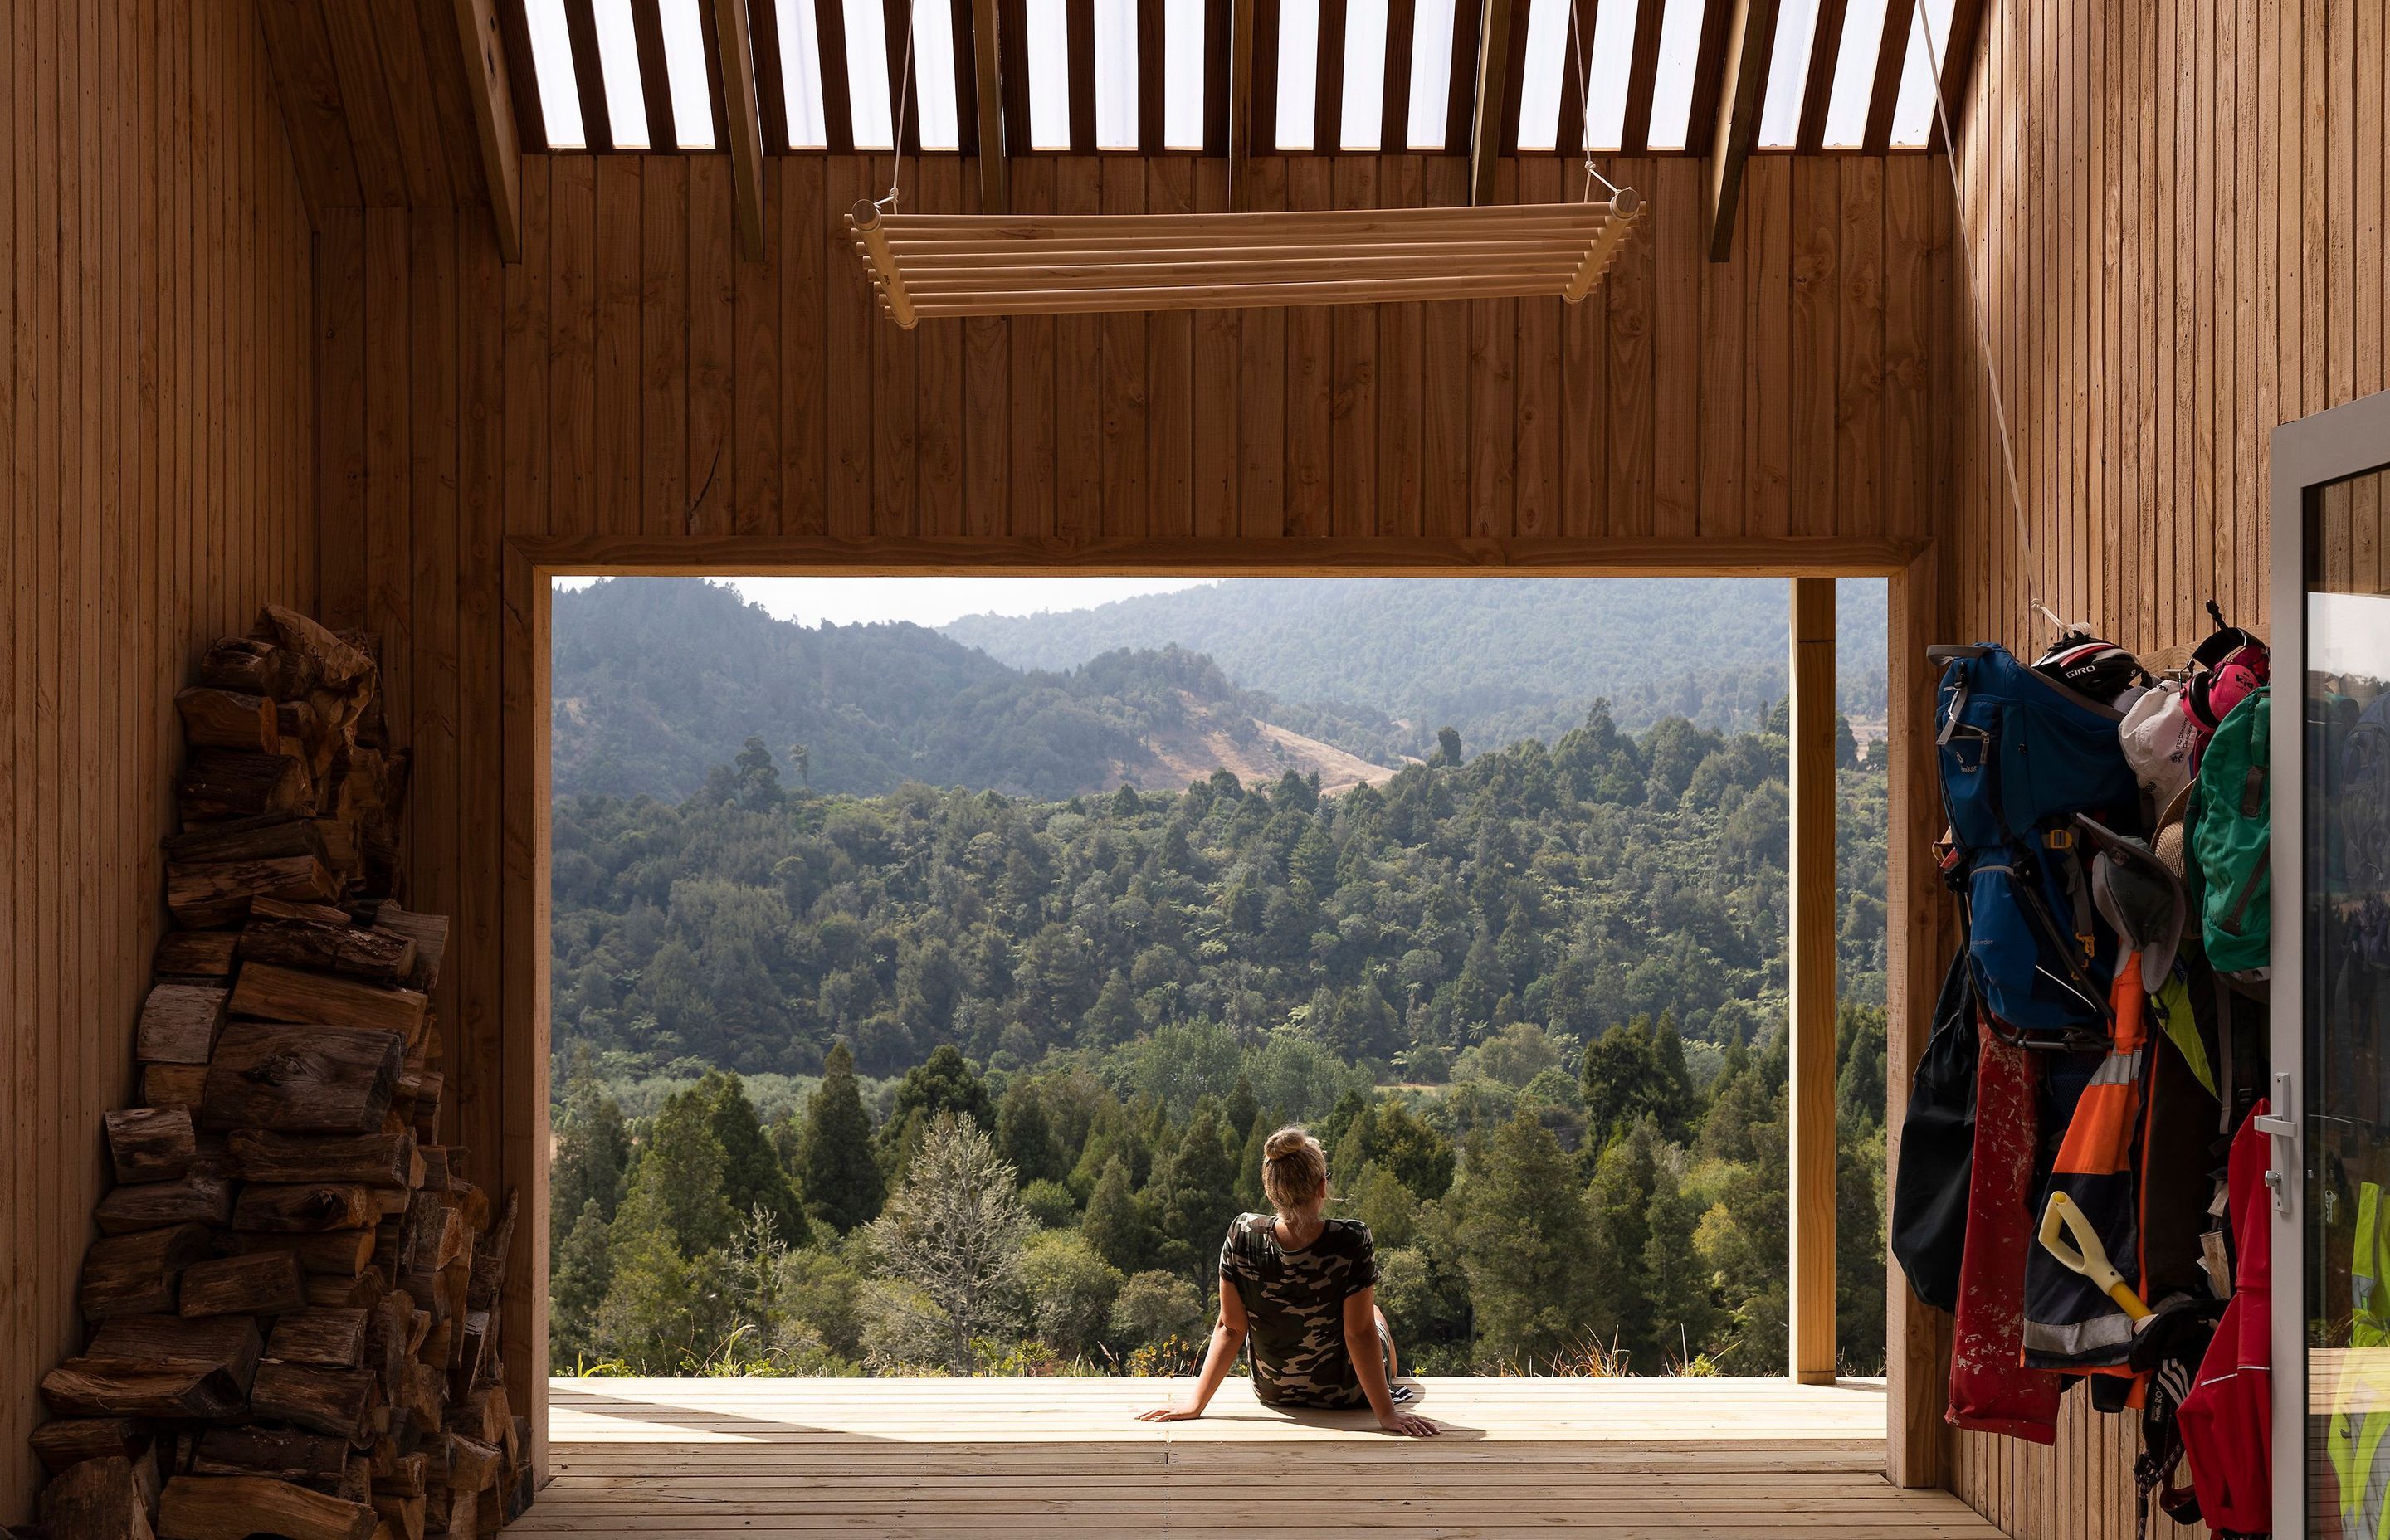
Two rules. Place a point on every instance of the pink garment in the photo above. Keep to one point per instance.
(1991, 1390)
(2228, 1423)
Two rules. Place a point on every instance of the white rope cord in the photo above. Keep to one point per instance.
(904, 98)
(1583, 52)
(1975, 294)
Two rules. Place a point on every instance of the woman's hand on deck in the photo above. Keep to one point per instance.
(1408, 1424)
(1171, 1414)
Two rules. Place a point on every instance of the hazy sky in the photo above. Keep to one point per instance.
(933, 600)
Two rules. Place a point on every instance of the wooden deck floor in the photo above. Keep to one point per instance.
(1664, 1458)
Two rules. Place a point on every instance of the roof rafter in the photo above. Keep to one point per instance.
(745, 124)
(1642, 76)
(987, 99)
(1750, 39)
(494, 119)
(1493, 87)
(655, 78)
(1817, 93)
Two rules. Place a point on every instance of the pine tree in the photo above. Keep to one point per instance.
(1240, 1112)
(582, 1271)
(1195, 1197)
(682, 1171)
(658, 1309)
(1620, 1200)
(1528, 1245)
(951, 1237)
(835, 1168)
(592, 1150)
(1115, 1224)
(752, 1176)
(1023, 1136)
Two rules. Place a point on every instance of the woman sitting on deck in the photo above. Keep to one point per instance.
(1303, 1289)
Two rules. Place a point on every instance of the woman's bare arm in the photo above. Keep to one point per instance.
(1227, 1338)
(1361, 1342)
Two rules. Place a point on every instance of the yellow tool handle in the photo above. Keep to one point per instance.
(2060, 1221)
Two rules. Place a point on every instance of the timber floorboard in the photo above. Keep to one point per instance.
(1615, 1459)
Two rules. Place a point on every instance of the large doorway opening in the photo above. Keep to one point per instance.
(1487, 880)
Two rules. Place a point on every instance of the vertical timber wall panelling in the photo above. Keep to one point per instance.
(632, 375)
(157, 454)
(2176, 212)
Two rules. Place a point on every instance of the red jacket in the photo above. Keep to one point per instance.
(2228, 1428)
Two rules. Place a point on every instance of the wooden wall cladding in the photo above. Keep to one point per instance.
(2177, 213)
(633, 376)
(156, 407)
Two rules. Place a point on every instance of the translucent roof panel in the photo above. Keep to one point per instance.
(692, 97)
(1788, 74)
(1846, 108)
(1298, 71)
(934, 95)
(1049, 75)
(867, 74)
(801, 76)
(618, 54)
(1912, 113)
(1613, 49)
(551, 58)
(1546, 61)
(1365, 74)
(1116, 74)
(1432, 23)
(1672, 85)
(1182, 74)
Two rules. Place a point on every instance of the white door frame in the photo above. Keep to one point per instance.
(2314, 451)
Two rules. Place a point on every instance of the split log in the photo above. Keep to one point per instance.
(342, 1254)
(227, 1342)
(286, 1453)
(303, 1208)
(299, 1080)
(193, 1199)
(260, 1283)
(206, 894)
(380, 956)
(251, 666)
(401, 1475)
(234, 1508)
(194, 957)
(179, 1024)
(65, 1441)
(402, 1516)
(430, 933)
(473, 1464)
(385, 1159)
(435, 1234)
(423, 1392)
(327, 1339)
(340, 846)
(271, 992)
(490, 1260)
(323, 1401)
(136, 1387)
(361, 1292)
(331, 662)
(485, 1416)
(98, 1499)
(229, 719)
(227, 783)
(136, 1275)
(464, 1515)
(268, 836)
(150, 1144)
(172, 1086)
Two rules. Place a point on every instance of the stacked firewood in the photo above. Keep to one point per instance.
(292, 1304)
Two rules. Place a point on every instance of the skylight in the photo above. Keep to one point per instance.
(1430, 72)
(866, 75)
(933, 77)
(551, 54)
(1672, 87)
(1788, 74)
(1540, 86)
(618, 54)
(1298, 71)
(692, 97)
(1846, 108)
(1182, 84)
(1049, 75)
(1912, 112)
(1116, 74)
(1613, 48)
(801, 74)
(1365, 74)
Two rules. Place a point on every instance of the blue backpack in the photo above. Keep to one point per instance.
(2020, 756)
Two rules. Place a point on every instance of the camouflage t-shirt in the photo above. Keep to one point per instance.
(1294, 1301)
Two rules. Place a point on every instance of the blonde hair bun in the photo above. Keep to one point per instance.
(1294, 1170)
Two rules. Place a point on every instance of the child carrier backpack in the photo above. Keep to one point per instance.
(2231, 840)
(2020, 756)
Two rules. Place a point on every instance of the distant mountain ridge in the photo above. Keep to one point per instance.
(656, 680)
(1379, 664)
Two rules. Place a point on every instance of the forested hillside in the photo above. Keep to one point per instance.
(1532, 998)
(658, 679)
(1501, 659)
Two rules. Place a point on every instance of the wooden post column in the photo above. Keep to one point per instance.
(1812, 981)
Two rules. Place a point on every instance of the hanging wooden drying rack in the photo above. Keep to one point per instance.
(1007, 265)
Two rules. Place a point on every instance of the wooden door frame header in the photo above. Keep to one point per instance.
(1915, 1447)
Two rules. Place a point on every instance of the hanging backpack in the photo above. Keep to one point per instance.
(1937, 1148)
(2231, 840)
(2020, 756)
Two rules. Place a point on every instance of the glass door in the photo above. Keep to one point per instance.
(2332, 992)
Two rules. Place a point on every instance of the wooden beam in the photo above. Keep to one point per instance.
(1492, 87)
(589, 75)
(1811, 789)
(1243, 102)
(1153, 83)
(1918, 939)
(1899, 16)
(1219, 19)
(1570, 139)
(746, 124)
(987, 98)
(1957, 66)
(531, 112)
(1642, 73)
(1750, 38)
(1709, 67)
(904, 130)
(1817, 91)
(655, 76)
(1079, 42)
(837, 93)
(771, 80)
(486, 81)
(1460, 89)
(1328, 80)
(1395, 114)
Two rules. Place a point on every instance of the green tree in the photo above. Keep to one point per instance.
(1195, 1199)
(949, 1244)
(1022, 1134)
(593, 1148)
(1070, 1291)
(835, 1169)
(1447, 746)
(1116, 1224)
(753, 1176)
(1529, 1245)
(684, 1172)
(1154, 1307)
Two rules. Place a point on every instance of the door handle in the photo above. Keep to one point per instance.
(2281, 1124)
